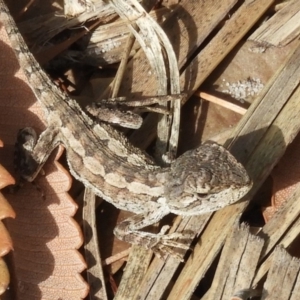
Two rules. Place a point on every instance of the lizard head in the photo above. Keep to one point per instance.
(205, 179)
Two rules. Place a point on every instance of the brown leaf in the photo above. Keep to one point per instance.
(5, 178)
(286, 178)
(46, 262)
(4, 276)
(6, 211)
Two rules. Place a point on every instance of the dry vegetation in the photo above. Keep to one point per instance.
(239, 64)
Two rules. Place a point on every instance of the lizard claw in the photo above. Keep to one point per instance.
(165, 244)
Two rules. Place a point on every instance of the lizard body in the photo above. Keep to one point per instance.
(200, 181)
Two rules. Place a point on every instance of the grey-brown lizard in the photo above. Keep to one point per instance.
(200, 181)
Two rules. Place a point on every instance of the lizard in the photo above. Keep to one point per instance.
(201, 180)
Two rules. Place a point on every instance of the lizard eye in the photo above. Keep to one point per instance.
(202, 195)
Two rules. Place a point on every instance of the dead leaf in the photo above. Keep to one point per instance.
(46, 261)
(6, 211)
(286, 178)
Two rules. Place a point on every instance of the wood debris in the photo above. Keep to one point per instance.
(217, 44)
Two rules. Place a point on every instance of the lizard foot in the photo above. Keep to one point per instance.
(161, 244)
(26, 140)
(167, 244)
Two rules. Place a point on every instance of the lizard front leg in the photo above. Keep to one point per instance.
(161, 243)
(119, 111)
(115, 116)
(31, 154)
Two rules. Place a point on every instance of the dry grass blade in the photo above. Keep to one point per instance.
(221, 102)
(282, 28)
(283, 281)
(237, 264)
(95, 274)
(151, 38)
(42, 30)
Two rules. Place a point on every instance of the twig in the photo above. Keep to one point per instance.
(234, 107)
